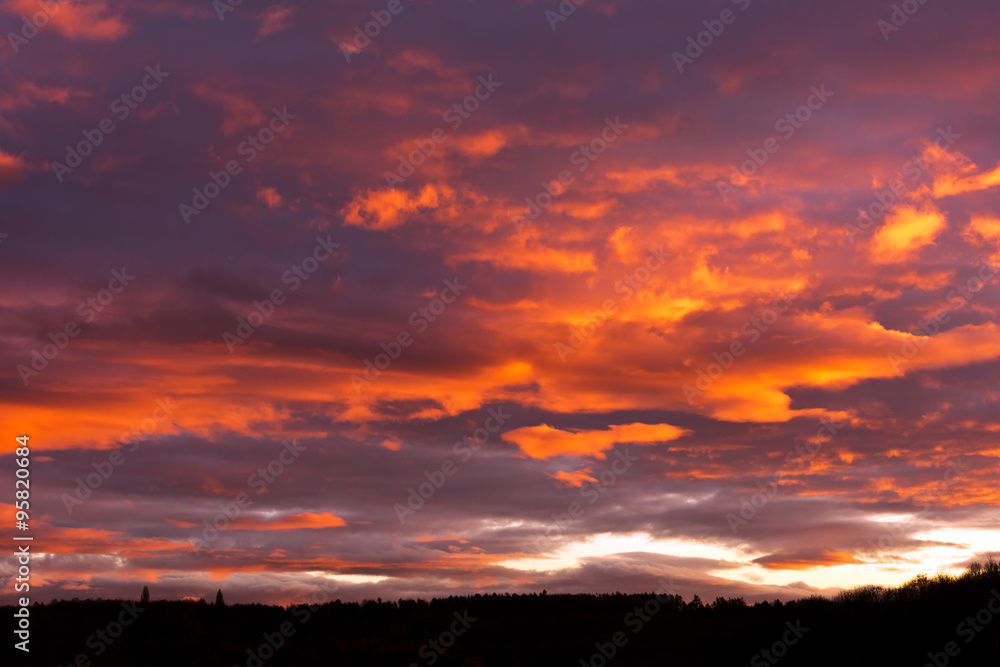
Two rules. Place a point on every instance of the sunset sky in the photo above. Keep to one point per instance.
(509, 296)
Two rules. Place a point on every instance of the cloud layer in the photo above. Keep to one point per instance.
(470, 298)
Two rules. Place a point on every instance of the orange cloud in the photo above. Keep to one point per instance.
(27, 93)
(449, 538)
(93, 20)
(983, 227)
(291, 522)
(534, 255)
(274, 19)
(576, 478)
(386, 209)
(961, 176)
(855, 349)
(270, 197)
(105, 542)
(584, 210)
(907, 229)
(12, 168)
(806, 560)
(544, 442)
(481, 145)
(637, 179)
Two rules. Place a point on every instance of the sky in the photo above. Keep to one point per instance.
(417, 298)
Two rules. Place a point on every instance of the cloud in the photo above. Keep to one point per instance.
(12, 168)
(544, 442)
(93, 20)
(962, 177)
(239, 111)
(386, 209)
(270, 197)
(531, 287)
(907, 229)
(806, 559)
(290, 522)
(577, 478)
(275, 19)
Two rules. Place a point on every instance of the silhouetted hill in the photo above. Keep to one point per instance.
(916, 624)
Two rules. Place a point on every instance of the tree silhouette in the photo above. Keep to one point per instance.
(145, 595)
(878, 622)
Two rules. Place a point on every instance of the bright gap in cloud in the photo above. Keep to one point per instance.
(895, 568)
(889, 566)
(608, 544)
(349, 578)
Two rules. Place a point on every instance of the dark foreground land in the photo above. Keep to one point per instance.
(940, 621)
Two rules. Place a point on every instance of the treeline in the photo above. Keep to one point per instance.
(944, 620)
